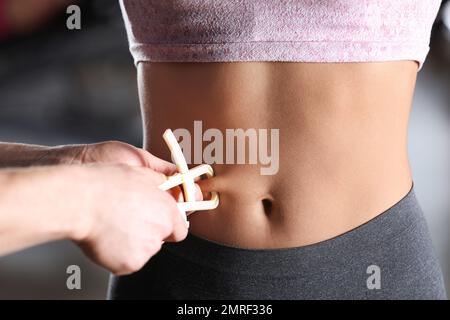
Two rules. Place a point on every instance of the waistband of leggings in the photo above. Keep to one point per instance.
(378, 233)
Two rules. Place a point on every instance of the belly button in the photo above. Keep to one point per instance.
(267, 205)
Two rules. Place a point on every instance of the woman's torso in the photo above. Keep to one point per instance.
(342, 143)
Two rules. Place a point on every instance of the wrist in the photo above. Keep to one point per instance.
(23, 155)
(42, 204)
(77, 206)
(66, 154)
(58, 197)
(35, 206)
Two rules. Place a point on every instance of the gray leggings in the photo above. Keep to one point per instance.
(389, 257)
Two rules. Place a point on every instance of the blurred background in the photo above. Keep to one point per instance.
(60, 86)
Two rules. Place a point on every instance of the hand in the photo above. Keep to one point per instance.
(110, 152)
(116, 152)
(127, 216)
(114, 210)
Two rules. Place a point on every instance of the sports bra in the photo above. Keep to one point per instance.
(279, 30)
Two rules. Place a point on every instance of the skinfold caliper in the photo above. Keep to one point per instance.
(186, 178)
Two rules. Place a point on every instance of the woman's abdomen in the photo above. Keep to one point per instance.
(302, 152)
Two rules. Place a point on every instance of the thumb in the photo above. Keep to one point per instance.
(158, 164)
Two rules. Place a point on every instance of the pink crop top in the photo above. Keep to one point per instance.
(283, 30)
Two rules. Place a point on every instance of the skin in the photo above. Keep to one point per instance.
(343, 143)
(103, 196)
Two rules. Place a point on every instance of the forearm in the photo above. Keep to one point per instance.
(36, 206)
(25, 155)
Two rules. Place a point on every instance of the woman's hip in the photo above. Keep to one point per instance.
(389, 257)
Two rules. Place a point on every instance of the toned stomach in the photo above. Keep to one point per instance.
(342, 146)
